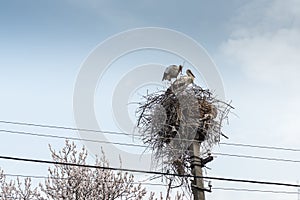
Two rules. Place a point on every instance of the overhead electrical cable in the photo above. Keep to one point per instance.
(147, 172)
(138, 145)
(258, 157)
(166, 185)
(129, 134)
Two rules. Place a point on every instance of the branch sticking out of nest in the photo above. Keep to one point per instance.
(169, 121)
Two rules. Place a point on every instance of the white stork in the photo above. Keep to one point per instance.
(184, 81)
(172, 72)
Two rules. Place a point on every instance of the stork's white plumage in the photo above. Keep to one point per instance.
(172, 72)
(184, 81)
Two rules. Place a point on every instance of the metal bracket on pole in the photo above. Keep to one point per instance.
(203, 189)
(201, 162)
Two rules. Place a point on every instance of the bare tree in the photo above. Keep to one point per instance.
(177, 197)
(77, 182)
(73, 182)
(15, 190)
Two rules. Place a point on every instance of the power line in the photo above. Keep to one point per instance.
(70, 138)
(129, 134)
(147, 172)
(81, 129)
(259, 146)
(137, 145)
(161, 184)
(254, 190)
(258, 157)
(46, 177)
(63, 127)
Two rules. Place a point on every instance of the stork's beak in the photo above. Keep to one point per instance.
(190, 72)
(180, 69)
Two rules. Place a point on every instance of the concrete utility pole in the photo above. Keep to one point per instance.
(298, 191)
(197, 183)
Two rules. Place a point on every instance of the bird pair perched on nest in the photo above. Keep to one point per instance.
(180, 83)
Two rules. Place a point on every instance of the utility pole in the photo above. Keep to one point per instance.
(298, 191)
(196, 165)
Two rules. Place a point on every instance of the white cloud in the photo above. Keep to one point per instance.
(265, 45)
(268, 57)
(266, 42)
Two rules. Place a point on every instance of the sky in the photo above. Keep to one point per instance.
(254, 44)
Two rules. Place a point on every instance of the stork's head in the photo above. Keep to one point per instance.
(180, 69)
(189, 73)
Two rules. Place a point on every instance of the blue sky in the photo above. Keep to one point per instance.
(255, 45)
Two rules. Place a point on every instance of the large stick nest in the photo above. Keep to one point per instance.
(170, 121)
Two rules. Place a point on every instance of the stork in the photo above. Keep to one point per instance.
(172, 72)
(184, 81)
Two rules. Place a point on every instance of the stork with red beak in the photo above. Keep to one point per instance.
(184, 81)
